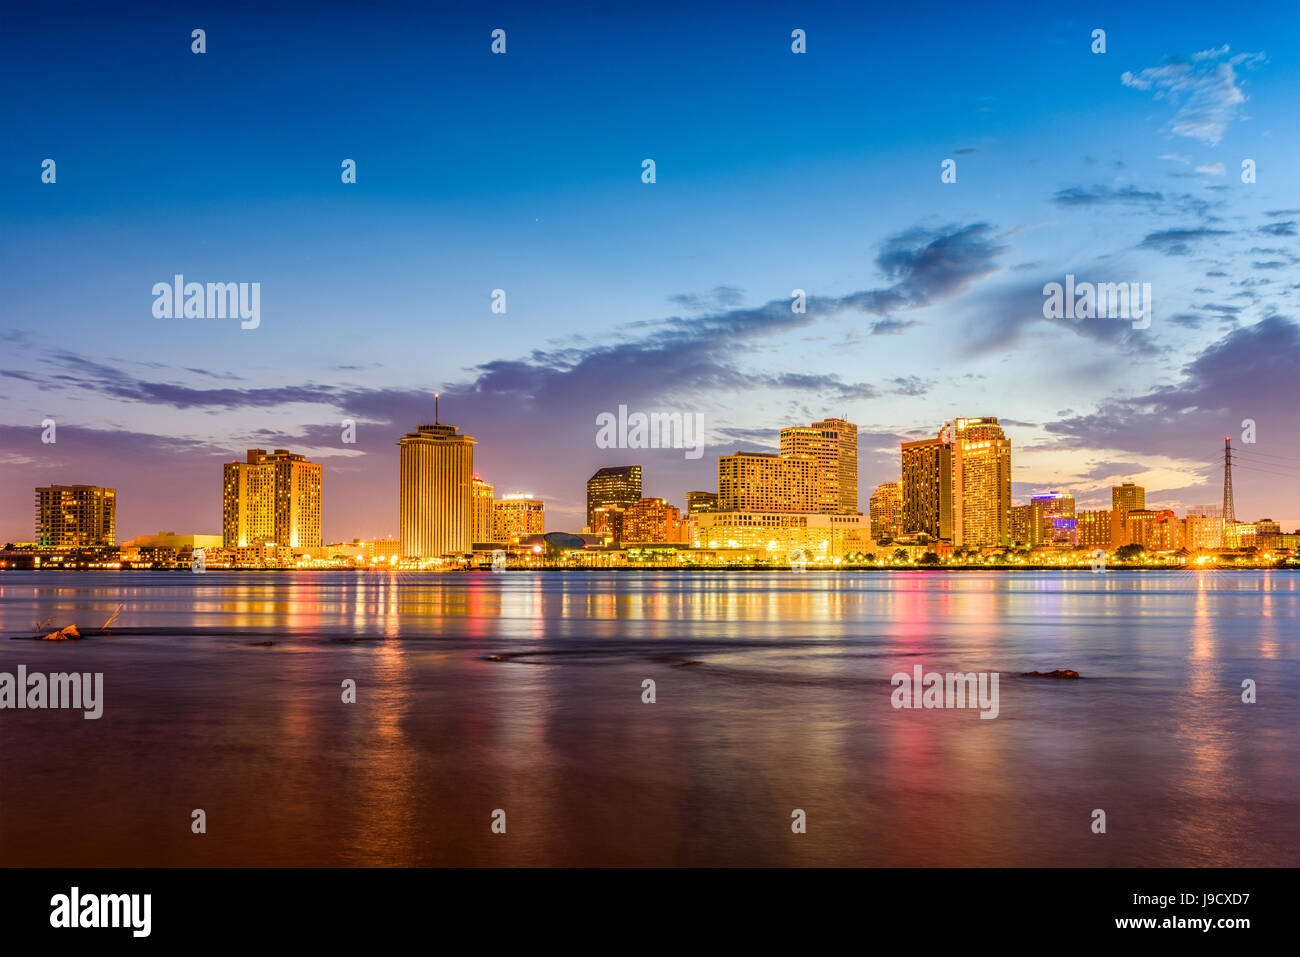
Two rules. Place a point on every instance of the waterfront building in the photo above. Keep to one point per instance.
(517, 516)
(435, 492)
(76, 516)
(271, 498)
(617, 487)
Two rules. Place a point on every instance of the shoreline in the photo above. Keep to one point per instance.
(704, 569)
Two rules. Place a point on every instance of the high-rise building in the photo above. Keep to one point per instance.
(652, 520)
(1045, 509)
(833, 443)
(765, 481)
(618, 486)
(76, 516)
(271, 499)
(1022, 524)
(435, 509)
(927, 488)
(483, 529)
(518, 516)
(886, 511)
(697, 502)
(981, 483)
(1127, 497)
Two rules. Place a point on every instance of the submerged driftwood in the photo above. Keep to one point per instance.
(63, 634)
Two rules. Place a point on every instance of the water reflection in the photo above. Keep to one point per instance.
(523, 692)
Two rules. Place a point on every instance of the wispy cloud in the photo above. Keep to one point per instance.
(1204, 89)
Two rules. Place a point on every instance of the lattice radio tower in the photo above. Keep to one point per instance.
(1229, 510)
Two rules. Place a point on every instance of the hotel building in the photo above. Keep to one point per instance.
(76, 516)
(886, 511)
(817, 536)
(927, 488)
(435, 507)
(833, 443)
(271, 499)
(765, 481)
(483, 529)
(517, 516)
(1103, 528)
(981, 483)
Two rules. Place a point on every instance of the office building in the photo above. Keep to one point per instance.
(1127, 497)
(436, 504)
(618, 487)
(697, 502)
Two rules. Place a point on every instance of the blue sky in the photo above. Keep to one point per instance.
(775, 171)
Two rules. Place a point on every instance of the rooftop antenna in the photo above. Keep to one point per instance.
(435, 408)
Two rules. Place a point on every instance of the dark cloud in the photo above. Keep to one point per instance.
(1102, 195)
(1178, 242)
(1286, 228)
(721, 297)
(892, 327)
(1245, 374)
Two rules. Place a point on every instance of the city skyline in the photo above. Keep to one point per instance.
(921, 296)
(277, 496)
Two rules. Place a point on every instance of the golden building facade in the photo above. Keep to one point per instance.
(435, 507)
(816, 536)
(886, 511)
(763, 481)
(518, 516)
(1127, 497)
(652, 520)
(833, 444)
(483, 529)
(273, 499)
(981, 483)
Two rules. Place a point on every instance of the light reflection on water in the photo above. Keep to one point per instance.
(773, 693)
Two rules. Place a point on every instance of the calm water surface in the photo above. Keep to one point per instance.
(773, 693)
